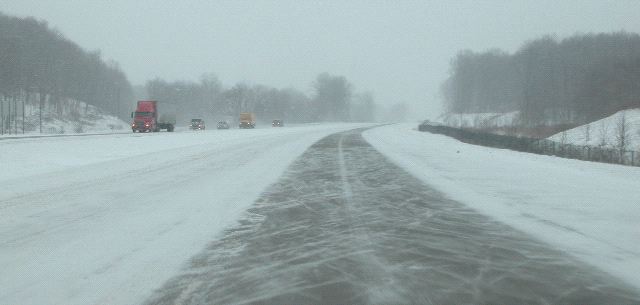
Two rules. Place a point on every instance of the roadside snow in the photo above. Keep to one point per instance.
(605, 132)
(77, 118)
(480, 120)
(32, 156)
(590, 210)
(107, 219)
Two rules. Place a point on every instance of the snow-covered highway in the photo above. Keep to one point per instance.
(330, 213)
(344, 225)
(105, 219)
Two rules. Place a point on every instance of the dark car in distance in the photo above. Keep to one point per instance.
(197, 124)
(223, 125)
(277, 123)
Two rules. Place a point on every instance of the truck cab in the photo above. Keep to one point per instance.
(145, 118)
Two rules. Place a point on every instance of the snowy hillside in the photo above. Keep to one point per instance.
(606, 132)
(480, 120)
(72, 117)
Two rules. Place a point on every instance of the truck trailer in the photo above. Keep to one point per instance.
(247, 120)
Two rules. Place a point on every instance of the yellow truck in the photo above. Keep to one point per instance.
(247, 120)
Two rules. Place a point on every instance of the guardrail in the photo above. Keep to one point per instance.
(537, 146)
(19, 137)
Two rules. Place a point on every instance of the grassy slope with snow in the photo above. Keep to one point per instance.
(604, 132)
(75, 117)
(589, 210)
(480, 120)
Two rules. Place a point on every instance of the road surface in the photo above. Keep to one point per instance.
(107, 219)
(344, 225)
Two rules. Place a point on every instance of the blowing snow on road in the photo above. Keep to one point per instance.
(344, 225)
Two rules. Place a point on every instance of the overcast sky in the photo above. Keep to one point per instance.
(399, 50)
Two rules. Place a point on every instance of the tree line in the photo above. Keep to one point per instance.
(39, 65)
(573, 81)
(333, 99)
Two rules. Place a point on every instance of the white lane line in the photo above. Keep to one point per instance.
(346, 187)
(382, 287)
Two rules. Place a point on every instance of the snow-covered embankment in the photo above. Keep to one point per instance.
(590, 210)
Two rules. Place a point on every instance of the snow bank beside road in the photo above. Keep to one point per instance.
(480, 120)
(590, 210)
(76, 118)
(605, 132)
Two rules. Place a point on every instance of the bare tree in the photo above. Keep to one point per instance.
(563, 138)
(622, 133)
(587, 134)
(604, 133)
(332, 97)
(477, 120)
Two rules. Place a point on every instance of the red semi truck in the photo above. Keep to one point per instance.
(146, 119)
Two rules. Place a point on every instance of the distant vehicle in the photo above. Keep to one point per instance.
(145, 118)
(197, 124)
(223, 125)
(277, 123)
(424, 125)
(247, 120)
